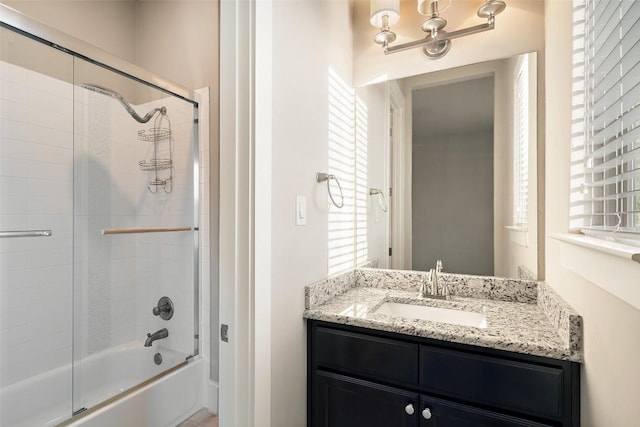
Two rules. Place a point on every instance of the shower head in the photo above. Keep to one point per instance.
(113, 94)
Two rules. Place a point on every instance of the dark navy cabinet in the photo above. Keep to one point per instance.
(362, 377)
(344, 401)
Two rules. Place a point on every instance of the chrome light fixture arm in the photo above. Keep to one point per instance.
(437, 42)
(441, 37)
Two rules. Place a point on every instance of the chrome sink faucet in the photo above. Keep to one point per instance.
(158, 335)
(431, 288)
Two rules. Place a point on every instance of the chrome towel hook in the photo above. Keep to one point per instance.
(381, 199)
(322, 177)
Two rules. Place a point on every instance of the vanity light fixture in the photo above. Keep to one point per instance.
(437, 43)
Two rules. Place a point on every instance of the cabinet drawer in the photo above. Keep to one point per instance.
(443, 413)
(373, 357)
(517, 386)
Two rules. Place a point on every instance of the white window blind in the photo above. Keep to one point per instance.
(605, 174)
(521, 151)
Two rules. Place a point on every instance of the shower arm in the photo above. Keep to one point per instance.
(136, 116)
(125, 104)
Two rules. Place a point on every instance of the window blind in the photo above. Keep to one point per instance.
(605, 174)
(521, 152)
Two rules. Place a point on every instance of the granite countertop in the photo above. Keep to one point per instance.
(543, 325)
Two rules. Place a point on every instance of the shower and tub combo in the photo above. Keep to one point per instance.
(100, 261)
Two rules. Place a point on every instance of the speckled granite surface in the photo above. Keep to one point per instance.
(496, 288)
(322, 291)
(372, 263)
(525, 273)
(562, 316)
(522, 315)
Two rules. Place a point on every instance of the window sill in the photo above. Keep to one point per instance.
(519, 234)
(612, 266)
(607, 246)
(522, 228)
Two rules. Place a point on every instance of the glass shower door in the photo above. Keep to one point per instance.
(135, 233)
(36, 226)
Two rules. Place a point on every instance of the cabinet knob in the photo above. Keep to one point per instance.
(409, 409)
(426, 414)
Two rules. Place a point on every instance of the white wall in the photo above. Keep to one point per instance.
(119, 278)
(373, 97)
(610, 382)
(36, 193)
(521, 246)
(69, 164)
(301, 63)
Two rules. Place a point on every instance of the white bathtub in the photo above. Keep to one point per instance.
(45, 400)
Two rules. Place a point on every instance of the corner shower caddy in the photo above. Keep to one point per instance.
(159, 134)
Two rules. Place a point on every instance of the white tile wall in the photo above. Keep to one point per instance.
(118, 278)
(36, 159)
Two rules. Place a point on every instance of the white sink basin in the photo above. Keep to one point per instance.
(443, 315)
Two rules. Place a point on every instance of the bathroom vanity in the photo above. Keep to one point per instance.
(375, 369)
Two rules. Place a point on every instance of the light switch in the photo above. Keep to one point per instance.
(301, 210)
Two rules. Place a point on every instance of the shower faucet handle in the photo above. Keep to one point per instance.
(164, 309)
(161, 308)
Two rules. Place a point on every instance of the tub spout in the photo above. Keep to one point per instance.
(161, 334)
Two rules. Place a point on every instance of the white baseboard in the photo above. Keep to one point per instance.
(211, 396)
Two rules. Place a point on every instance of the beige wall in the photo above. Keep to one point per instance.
(610, 372)
(108, 25)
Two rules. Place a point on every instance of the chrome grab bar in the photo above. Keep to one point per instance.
(25, 233)
(137, 230)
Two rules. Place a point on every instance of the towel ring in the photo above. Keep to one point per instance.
(381, 199)
(322, 177)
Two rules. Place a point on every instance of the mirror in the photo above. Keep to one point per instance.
(457, 150)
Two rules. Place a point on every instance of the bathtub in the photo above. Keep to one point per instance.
(45, 400)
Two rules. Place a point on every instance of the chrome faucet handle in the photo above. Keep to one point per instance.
(431, 287)
(164, 309)
(425, 283)
(161, 308)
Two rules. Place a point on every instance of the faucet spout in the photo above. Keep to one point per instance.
(158, 335)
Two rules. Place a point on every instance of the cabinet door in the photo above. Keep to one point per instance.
(341, 401)
(526, 388)
(442, 413)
